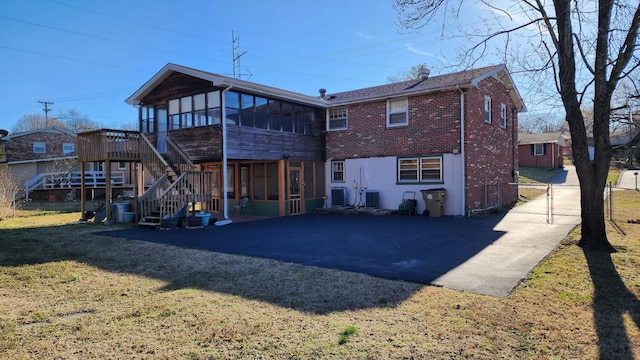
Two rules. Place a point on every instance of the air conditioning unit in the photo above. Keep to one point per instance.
(372, 199)
(338, 196)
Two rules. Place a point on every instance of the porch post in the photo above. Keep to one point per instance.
(82, 191)
(282, 191)
(107, 195)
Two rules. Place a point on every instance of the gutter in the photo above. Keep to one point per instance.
(223, 119)
(462, 155)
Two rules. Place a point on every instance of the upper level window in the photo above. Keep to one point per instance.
(174, 114)
(487, 109)
(337, 171)
(39, 148)
(397, 113)
(503, 115)
(420, 169)
(337, 119)
(68, 148)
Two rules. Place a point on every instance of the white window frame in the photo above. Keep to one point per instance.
(538, 149)
(503, 115)
(418, 166)
(402, 107)
(122, 165)
(487, 109)
(39, 147)
(68, 148)
(336, 115)
(338, 167)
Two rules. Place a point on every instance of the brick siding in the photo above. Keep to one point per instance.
(434, 128)
(21, 147)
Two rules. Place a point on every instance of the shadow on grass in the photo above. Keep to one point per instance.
(611, 301)
(267, 260)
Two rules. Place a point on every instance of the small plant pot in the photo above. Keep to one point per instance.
(169, 223)
(193, 221)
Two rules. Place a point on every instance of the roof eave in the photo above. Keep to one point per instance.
(221, 82)
(398, 94)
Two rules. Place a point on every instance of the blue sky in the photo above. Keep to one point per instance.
(91, 55)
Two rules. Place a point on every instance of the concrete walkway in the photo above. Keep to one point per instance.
(528, 238)
(629, 180)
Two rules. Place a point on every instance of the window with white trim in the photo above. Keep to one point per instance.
(337, 171)
(487, 109)
(337, 119)
(68, 148)
(420, 169)
(39, 148)
(397, 112)
(538, 149)
(122, 165)
(503, 115)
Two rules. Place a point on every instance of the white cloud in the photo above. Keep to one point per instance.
(365, 36)
(426, 53)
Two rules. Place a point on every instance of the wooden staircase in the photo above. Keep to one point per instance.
(177, 186)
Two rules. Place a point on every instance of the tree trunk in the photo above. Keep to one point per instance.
(593, 231)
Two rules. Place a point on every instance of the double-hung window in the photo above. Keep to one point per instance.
(68, 148)
(487, 109)
(503, 115)
(422, 169)
(539, 149)
(337, 171)
(337, 119)
(39, 148)
(397, 113)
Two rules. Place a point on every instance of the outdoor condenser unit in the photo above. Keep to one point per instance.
(372, 199)
(338, 196)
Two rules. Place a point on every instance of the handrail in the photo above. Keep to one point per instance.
(179, 157)
(153, 188)
(151, 158)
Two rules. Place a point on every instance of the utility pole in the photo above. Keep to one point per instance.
(46, 109)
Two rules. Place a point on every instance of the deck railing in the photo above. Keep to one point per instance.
(107, 144)
(166, 198)
(73, 179)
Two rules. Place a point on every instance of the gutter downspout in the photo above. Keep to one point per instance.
(462, 155)
(225, 200)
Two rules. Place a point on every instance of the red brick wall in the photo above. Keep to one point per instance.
(434, 128)
(525, 158)
(490, 156)
(21, 148)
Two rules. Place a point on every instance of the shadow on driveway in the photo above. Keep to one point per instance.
(412, 248)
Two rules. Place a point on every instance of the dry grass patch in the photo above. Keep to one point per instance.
(66, 293)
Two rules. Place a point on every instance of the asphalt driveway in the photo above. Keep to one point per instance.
(486, 255)
(412, 248)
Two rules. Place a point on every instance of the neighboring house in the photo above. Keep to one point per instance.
(30, 153)
(545, 150)
(288, 153)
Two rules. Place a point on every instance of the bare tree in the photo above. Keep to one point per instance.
(35, 121)
(77, 122)
(9, 189)
(539, 123)
(587, 48)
